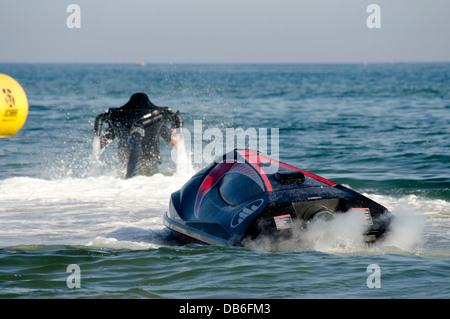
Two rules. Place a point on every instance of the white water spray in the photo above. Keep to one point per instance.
(344, 234)
(96, 149)
(182, 157)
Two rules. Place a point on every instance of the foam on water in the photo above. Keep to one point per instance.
(89, 211)
(417, 224)
(103, 210)
(110, 212)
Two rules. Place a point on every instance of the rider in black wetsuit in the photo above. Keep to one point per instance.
(138, 125)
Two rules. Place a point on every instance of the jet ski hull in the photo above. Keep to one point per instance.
(238, 198)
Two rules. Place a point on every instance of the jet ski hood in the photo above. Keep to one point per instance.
(245, 194)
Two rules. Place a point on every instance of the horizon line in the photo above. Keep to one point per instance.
(143, 63)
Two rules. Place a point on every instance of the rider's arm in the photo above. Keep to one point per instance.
(176, 122)
(167, 135)
(106, 138)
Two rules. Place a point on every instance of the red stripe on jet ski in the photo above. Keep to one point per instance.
(210, 181)
(321, 179)
(263, 175)
(255, 158)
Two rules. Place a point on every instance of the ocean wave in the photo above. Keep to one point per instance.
(108, 212)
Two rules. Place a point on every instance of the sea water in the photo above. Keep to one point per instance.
(381, 129)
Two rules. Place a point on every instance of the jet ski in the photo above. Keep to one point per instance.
(241, 197)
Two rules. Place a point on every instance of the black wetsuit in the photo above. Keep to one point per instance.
(138, 126)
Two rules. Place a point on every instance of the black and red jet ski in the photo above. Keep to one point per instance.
(241, 196)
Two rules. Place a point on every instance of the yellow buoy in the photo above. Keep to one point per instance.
(13, 106)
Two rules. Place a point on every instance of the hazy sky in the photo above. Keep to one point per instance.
(196, 31)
